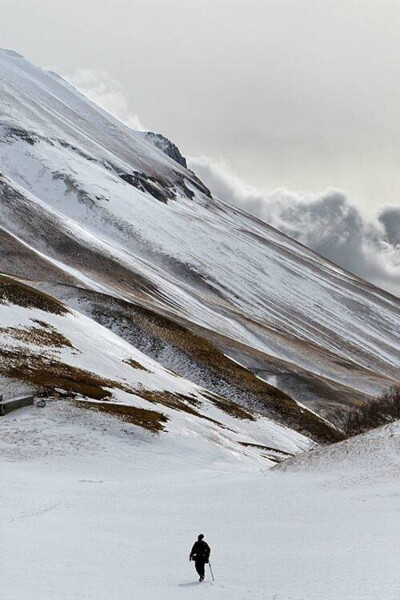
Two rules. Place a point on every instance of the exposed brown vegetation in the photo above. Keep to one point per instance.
(135, 365)
(174, 401)
(272, 454)
(14, 292)
(48, 374)
(148, 419)
(231, 408)
(177, 402)
(261, 447)
(40, 336)
(374, 413)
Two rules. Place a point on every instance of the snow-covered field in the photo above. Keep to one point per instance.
(95, 509)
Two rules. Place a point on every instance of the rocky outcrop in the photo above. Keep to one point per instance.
(168, 147)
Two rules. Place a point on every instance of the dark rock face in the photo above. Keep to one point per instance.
(168, 147)
(148, 184)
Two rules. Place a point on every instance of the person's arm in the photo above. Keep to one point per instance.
(193, 551)
(208, 552)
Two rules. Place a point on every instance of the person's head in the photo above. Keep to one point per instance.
(201, 537)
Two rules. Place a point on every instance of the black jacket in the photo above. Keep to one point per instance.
(200, 551)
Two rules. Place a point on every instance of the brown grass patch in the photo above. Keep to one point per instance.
(148, 419)
(47, 374)
(176, 402)
(14, 292)
(173, 400)
(231, 408)
(39, 336)
(135, 365)
(261, 447)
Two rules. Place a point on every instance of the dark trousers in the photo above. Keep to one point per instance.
(200, 565)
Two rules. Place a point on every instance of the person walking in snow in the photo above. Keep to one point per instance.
(200, 553)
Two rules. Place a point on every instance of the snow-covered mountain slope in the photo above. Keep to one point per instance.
(107, 511)
(98, 215)
(54, 349)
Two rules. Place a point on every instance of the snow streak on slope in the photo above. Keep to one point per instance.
(111, 212)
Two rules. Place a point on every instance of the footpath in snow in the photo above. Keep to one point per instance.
(95, 509)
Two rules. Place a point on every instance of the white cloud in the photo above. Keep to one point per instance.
(108, 93)
(328, 223)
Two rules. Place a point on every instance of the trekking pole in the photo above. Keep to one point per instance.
(212, 574)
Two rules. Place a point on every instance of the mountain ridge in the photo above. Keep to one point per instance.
(95, 215)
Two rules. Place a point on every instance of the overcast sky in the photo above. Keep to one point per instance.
(302, 95)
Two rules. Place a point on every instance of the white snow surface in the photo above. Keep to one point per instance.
(94, 509)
